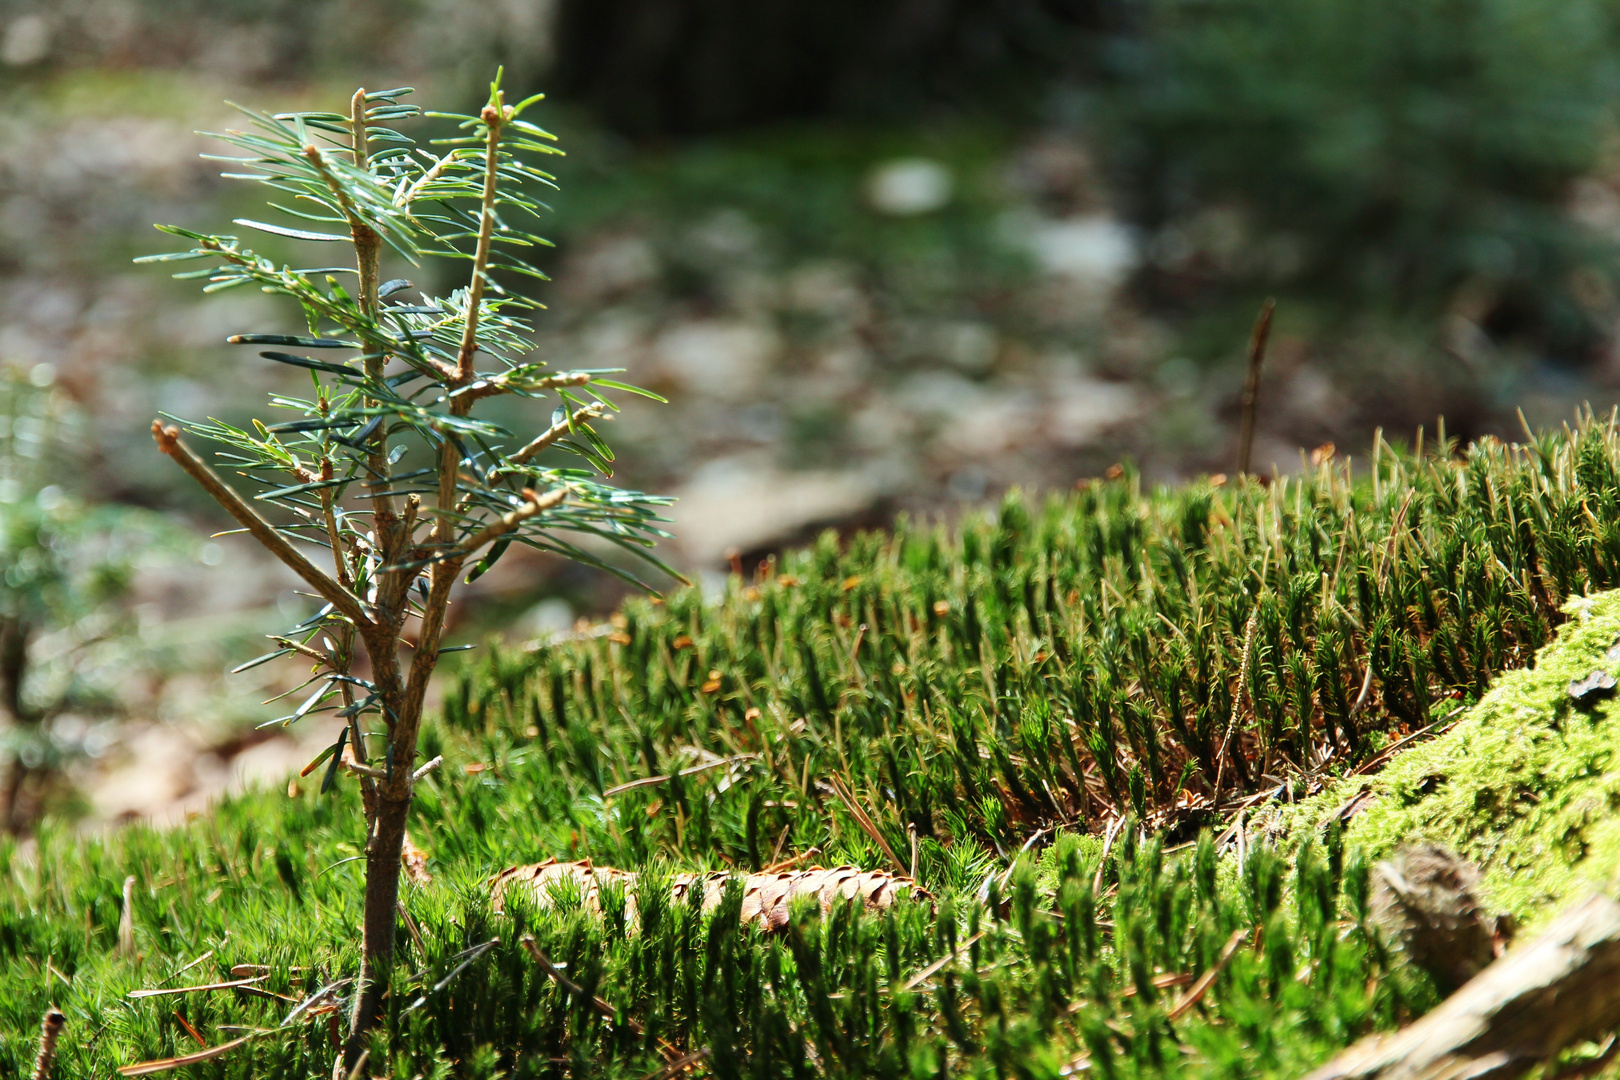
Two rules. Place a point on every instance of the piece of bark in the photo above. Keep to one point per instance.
(766, 897)
(1426, 898)
(1544, 995)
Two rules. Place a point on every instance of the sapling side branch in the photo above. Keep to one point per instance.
(407, 195)
(556, 431)
(504, 524)
(364, 770)
(299, 647)
(168, 440)
(502, 384)
(340, 561)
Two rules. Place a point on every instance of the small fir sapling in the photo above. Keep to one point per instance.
(398, 377)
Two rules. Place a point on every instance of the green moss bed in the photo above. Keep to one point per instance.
(1052, 710)
(1527, 782)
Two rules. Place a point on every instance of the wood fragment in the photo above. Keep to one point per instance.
(415, 862)
(1425, 898)
(1544, 995)
(126, 921)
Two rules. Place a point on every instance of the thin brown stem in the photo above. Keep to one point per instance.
(494, 115)
(556, 431)
(507, 522)
(168, 440)
(368, 259)
(1251, 384)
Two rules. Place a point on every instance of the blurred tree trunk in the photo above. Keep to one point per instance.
(680, 67)
(14, 635)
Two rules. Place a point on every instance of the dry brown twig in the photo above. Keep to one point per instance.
(556, 975)
(1251, 383)
(1543, 996)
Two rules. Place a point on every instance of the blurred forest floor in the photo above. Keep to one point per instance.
(851, 319)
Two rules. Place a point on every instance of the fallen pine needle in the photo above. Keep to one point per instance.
(1196, 993)
(933, 969)
(573, 987)
(243, 970)
(194, 963)
(1162, 982)
(649, 781)
(865, 822)
(678, 1064)
(788, 864)
(195, 989)
(196, 1038)
(146, 1068)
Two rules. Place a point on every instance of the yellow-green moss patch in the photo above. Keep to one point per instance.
(1527, 783)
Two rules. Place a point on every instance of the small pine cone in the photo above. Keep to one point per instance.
(766, 897)
(542, 878)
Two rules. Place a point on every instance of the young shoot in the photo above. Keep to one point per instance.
(381, 488)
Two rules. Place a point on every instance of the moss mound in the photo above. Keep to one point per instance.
(950, 698)
(1527, 783)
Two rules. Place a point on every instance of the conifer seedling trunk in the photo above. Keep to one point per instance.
(385, 465)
